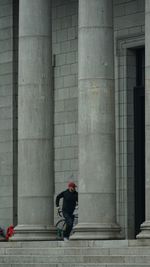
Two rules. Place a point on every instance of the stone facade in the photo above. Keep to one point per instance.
(129, 28)
(69, 64)
(65, 58)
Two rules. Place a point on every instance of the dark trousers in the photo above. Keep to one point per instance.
(69, 219)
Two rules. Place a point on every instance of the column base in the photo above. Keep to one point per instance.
(93, 231)
(145, 230)
(2, 239)
(34, 233)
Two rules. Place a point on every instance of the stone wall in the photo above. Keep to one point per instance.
(65, 91)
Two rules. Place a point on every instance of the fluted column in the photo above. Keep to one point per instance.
(145, 227)
(97, 172)
(35, 120)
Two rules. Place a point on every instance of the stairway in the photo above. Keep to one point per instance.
(121, 253)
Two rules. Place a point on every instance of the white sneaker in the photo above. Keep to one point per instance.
(66, 239)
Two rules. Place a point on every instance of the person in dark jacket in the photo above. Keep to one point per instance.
(70, 200)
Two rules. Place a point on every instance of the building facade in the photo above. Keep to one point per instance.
(74, 104)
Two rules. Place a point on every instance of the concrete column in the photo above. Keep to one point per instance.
(35, 123)
(97, 185)
(145, 227)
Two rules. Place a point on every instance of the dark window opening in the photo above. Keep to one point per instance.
(139, 139)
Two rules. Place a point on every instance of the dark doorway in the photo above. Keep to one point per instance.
(139, 139)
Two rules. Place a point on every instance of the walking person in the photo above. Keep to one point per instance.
(70, 200)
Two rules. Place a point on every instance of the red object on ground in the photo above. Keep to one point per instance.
(10, 232)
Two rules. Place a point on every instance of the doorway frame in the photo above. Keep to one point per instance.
(125, 80)
(139, 93)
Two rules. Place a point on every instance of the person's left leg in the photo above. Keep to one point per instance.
(69, 219)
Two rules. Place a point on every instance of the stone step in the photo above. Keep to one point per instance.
(121, 253)
(70, 243)
(76, 251)
(73, 265)
(74, 259)
(79, 243)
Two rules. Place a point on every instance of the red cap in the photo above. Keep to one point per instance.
(72, 184)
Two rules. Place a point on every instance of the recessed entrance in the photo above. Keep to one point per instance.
(139, 139)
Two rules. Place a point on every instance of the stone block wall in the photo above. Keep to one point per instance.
(65, 52)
